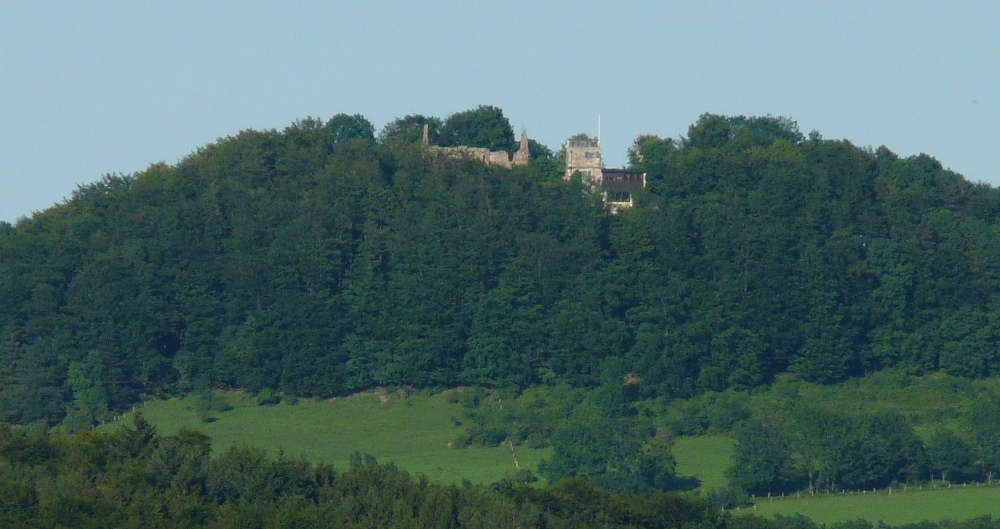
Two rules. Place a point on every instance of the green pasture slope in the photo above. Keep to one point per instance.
(414, 431)
(956, 503)
(931, 401)
(705, 457)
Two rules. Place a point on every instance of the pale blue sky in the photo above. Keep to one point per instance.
(111, 87)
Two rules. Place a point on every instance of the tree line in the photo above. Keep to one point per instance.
(800, 446)
(135, 477)
(322, 260)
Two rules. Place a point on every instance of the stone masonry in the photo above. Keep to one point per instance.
(582, 156)
(615, 185)
(482, 154)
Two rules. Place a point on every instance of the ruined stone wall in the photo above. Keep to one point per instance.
(482, 154)
(523, 154)
(500, 158)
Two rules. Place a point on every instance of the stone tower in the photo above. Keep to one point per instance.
(584, 156)
(523, 154)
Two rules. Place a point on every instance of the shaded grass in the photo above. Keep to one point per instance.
(910, 507)
(929, 402)
(704, 457)
(413, 431)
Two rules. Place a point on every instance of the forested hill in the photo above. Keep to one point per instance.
(319, 261)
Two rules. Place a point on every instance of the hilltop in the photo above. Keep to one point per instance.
(320, 261)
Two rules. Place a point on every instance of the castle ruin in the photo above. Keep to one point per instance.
(482, 154)
(582, 156)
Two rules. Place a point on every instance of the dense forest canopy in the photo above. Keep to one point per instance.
(318, 260)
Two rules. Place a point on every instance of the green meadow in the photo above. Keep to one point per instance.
(956, 503)
(704, 457)
(413, 431)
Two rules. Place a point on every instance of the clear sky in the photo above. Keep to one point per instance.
(90, 88)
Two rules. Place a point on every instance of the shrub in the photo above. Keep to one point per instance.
(728, 498)
(266, 397)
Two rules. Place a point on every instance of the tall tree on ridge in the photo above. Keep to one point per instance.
(483, 126)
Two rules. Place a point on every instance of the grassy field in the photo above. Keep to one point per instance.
(705, 457)
(930, 402)
(413, 431)
(913, 506)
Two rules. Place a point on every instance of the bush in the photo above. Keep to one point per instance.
(207, 402)
(266, 397)
(728, 498)
(692, 421)
(492, 437)
(470, 398)
(726, 412)
(522, 475)
(536, 441)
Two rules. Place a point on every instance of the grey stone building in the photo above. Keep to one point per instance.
(615, 185)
